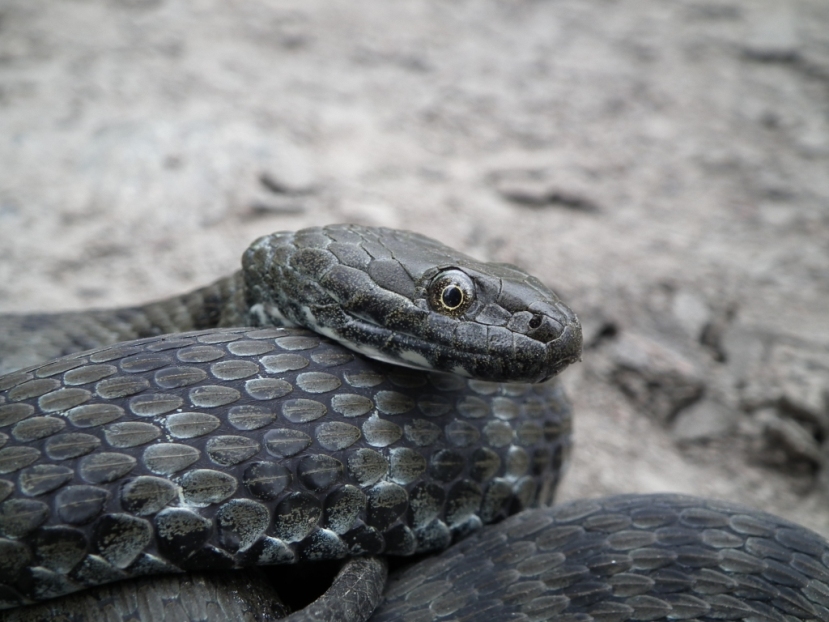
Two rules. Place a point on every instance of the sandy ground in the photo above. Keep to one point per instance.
(664, 166)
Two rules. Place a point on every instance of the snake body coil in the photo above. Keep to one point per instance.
(235, 447)
(225, 449)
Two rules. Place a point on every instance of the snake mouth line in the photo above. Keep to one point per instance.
(533, 361)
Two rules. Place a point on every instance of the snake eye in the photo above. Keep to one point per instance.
(451, 292)
(535, 321)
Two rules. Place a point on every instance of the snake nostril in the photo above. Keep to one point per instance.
(543, 328)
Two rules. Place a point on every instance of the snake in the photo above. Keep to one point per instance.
(359, 395)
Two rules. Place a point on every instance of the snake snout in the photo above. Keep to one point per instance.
(559, 329)
(544, 328)
(566, 350)
(550, 321)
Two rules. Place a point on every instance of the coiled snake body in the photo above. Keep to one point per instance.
(232, 447)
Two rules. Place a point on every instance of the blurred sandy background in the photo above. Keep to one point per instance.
(663, 165)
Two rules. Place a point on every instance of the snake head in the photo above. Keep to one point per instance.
(406, 299)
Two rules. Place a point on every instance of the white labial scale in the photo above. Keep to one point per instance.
(409, 358)
(328, 332)
(377, 355)
(415, 358)
(310, 318)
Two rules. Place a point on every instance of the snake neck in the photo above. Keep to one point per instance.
(26, 340)
(220, 304)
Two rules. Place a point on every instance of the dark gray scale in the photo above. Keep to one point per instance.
(242, 523)
(15, 458)
(302, 410)
(128, 434)
(213, 396)
(153, 404)
(406, 465)
(94, 415)
(230, 450)
(180, 376)
(181, 534)
(250, 416)
(43, 478)
(386, 503)
(204, 487)
(263, 389)
(421, 433)
(296, 516)
(393, 402)
(105, 467)
(78, 505)
(28, 389)
(181, 472)
(136, 364)
(463, 500)
(12, 413)
(498, 495)
(266, 480)
(380, 432)
(19, 517)
(233, 370)
(286, 442)
(189, 425)
(120, 386)
(317, 382)
(250, 348)
(121, 538)
(199, 354)
(336, 435)
(322, 544)
(446, 465)
(63, 399)
(318, 472)
(68, 445)
(367, 466)
(58, 549)
(145, 495)
(169, 458)
(280, 363)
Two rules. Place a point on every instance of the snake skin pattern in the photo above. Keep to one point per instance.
(241, 596)
(631, 557)
(219, 450)
(234, 447)
(239, 447)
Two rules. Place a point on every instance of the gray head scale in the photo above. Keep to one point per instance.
(403, 298)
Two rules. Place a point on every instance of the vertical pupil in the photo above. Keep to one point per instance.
(452, 296)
